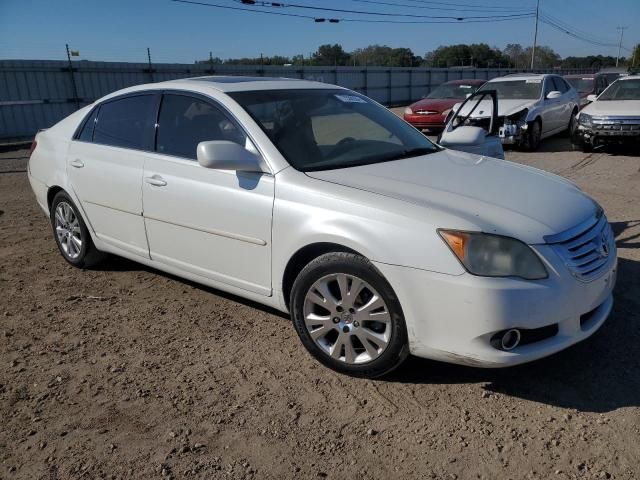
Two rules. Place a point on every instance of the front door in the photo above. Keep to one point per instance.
(213, 223)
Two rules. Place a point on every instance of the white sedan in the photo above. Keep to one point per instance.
(317, 201)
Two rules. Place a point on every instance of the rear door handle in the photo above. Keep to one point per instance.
(77, 163)
(155, 180)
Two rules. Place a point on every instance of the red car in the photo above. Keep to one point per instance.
(430, 112)
(587, 84)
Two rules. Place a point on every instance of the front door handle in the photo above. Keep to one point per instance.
(77, 163)
(155, 180)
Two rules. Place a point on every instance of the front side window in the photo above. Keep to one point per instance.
(516, 89)
(127, 122)
(184, 121)
(622, 90)
(330, 128)
(559, 84)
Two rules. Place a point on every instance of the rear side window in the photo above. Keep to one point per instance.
(127, 122)
(184, 121)
(86, 134)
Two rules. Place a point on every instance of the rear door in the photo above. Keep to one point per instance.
(105, 164)
(212, 223)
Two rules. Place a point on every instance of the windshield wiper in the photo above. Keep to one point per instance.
(411, 152)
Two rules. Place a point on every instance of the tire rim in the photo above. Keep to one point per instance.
(68, 230)
(347, 318)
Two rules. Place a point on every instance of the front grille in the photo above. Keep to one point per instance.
(586, 249)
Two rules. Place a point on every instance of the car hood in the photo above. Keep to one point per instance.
(474, 192)
(614, 107)
(505, 107)
(435, 104)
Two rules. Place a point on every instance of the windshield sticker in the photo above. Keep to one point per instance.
(533, 80)
(350, 99)
(465, 86)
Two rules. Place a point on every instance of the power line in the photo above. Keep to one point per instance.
(430, 7)
(569, 31)
(278, 5)
(458, 20)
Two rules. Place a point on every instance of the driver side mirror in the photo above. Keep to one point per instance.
(554, 94)
(592, 98)
(226, 155)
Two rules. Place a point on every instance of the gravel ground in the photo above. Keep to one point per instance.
(126, 372)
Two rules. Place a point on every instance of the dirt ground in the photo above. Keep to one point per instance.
(125, 372)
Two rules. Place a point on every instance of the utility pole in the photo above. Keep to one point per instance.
(73, 78)
(150, 67)
(620, 44)
(535, 35)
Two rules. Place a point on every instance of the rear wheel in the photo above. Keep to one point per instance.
(71, 234)
(348, 317)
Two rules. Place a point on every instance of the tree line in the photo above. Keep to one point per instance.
(479, 55)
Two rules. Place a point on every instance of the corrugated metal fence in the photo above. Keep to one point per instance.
(36, 94)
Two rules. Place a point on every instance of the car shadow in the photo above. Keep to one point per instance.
(630, 241)
(600, 374)
(114, 263)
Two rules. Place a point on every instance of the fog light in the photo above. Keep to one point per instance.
(510, 339)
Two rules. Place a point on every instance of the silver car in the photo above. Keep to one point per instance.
(531, 107)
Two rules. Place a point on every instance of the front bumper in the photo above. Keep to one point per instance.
(454, 318)
(433, 121)
(607, 131)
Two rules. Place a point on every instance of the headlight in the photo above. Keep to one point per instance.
(519, 118)
(584, 119)
(493, 255)
(408, 111)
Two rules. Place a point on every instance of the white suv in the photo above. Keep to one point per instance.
(531, 107)
(315, 200)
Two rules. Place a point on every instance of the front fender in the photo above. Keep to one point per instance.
(383, 229)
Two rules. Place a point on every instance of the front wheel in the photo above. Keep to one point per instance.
(348, 317)
(532, 136)
(71, 234)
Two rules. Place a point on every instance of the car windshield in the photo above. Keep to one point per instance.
(452, 90)
(622, 90)
(327, 129)
(516, 89)
(583, 85)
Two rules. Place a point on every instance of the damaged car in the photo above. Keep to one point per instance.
(611, 118)
(531, 107)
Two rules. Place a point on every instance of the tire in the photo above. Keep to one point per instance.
(71, 233)
(532, 137)
(571, 128)
(362, 336)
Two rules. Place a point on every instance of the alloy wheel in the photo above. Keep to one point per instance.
(67, 227)
(347, 318)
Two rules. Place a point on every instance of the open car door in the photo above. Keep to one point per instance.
(479, 134)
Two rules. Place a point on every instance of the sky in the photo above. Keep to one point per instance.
(120, 30)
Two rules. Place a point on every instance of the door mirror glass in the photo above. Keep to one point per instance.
(592, 97)
(554, 94)
(226, 155)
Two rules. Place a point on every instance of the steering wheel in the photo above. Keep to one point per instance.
(345, 140)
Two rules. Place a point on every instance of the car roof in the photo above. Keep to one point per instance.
(521, 76)
(465, 81)
(581, 75)
(628, 77)
(227, 84)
